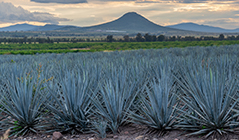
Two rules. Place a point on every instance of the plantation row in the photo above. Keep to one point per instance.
(193, 89)
(101, 46)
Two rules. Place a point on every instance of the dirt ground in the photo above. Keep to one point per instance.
(130, 133)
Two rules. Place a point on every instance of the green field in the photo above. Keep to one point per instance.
(102, 46)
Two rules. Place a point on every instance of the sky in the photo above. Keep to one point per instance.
(219, 13)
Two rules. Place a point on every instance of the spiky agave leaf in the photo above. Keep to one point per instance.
(155, 107)
(2, 117)
(114, 98)
(100, 127)
(23, 101)
(210, 93)
(71, 104)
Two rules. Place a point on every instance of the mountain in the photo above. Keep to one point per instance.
(129, 22)
(201, 28)
(235, 30)
(48, 27)
(29, 27)
(19, 27)
(69, 27)
(51, 27)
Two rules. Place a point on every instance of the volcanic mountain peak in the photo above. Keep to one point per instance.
(130, 22)
(132, 14)
(132, 17)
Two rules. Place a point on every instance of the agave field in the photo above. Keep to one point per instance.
(193, 89)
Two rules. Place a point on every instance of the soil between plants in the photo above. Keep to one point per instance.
(130, 133)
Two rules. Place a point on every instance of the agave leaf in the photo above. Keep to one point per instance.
(115, 97)
(155, 107)
(72, 110)
(210, 133)
(210, 93)
(200, 132)
(23, 102)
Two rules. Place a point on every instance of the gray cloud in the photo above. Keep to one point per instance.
(192, 1)
(61, 1)
(11, 14)
(201, 1)
(183, 1)
(137, 1)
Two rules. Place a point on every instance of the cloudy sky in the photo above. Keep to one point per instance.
(220, 13)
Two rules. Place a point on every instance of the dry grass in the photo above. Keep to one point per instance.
(5, 135)
(107, 51)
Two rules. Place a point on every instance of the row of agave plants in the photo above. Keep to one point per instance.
(99, 92)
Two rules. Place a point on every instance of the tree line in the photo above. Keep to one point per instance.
(110, 38)
(151, 38)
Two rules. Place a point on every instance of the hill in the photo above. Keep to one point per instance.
(29, 27)
(19, 27)
(48, 27)
(130, 22)
(201, 28)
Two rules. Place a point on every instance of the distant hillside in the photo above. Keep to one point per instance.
(28, 27)
(201, 28)
(129, 22)
(69, 27)
(19, 27)
(48, 27)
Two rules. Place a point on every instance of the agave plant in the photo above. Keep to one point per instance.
(70, 102)
(156, 107)
(99, 127)
(114, 98)
(2, 117)
(22, 100)
(210, 94)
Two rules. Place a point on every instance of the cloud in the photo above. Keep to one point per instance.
(201, 1)
(187, 1)
(12, 14)
(137, 1)
(192, 1)
(61, 1)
